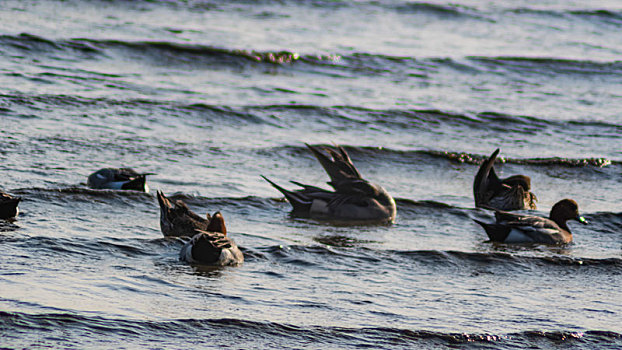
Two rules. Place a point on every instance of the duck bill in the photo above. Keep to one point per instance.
(582, 220)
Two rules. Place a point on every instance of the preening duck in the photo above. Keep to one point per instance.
(177, 220)
(515, 228)
(8, 205)
(212, 246)
(118, 179)
(511, 193)
(354, 199)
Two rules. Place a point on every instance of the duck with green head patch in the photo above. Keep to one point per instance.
(516, 228)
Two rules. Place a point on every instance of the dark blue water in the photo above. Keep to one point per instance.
(209, 95)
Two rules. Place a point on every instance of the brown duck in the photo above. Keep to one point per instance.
(212, 246)
(515, 228)
(177, 220)
(512, 193)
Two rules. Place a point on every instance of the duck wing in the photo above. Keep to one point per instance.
(176, 219)
(486, 182)
(338, 166)
(536, 229)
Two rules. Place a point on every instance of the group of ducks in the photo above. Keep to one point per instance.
(353, 200)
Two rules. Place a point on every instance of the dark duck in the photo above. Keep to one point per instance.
(8, 205)
(118, 179)
(512, 193)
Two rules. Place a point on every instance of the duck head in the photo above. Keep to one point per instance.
(564, 210)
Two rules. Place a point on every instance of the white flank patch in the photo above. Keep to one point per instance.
(319, 206)
(517, 236)
(116, 185)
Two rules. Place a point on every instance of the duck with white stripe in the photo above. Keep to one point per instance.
(516, 228)
(355, 200)
(118, 179)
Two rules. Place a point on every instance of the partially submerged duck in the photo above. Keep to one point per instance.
(512, 193)
(8, 205)
(177, 220)
(354, 199)
(118, 179)
(212, 246)
(515, 228)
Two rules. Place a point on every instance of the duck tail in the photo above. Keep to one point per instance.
(496, 233)
(137, 184)
(297, 200)
(8, 207)
(485, 180)
(162, 200)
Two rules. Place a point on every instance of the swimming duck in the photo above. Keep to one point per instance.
(178, 220)
(354, 199)
(8, 205)
(511, 193)
(212, 246)
(118, 179)
(515, 228)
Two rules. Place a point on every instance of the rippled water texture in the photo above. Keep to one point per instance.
(210, 95)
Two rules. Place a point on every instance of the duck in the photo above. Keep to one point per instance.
(516, 228)
(177, 220)
(354, 199)
(8, 205)
(118, 179)
(212, 246)
(512, 193)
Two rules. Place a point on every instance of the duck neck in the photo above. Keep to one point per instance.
(561, 222)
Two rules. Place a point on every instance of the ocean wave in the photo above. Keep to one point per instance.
(549, 65)
(285, 116)
(74, 194)
(503, 261)
(199, 56)
(412, 156)
(452, 11)
(82, 329)
(81, 247)
(605, 16)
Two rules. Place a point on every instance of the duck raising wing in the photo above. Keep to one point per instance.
(512, 193)
(354, 198)
(177, 220)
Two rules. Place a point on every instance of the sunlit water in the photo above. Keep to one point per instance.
(210, 95)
